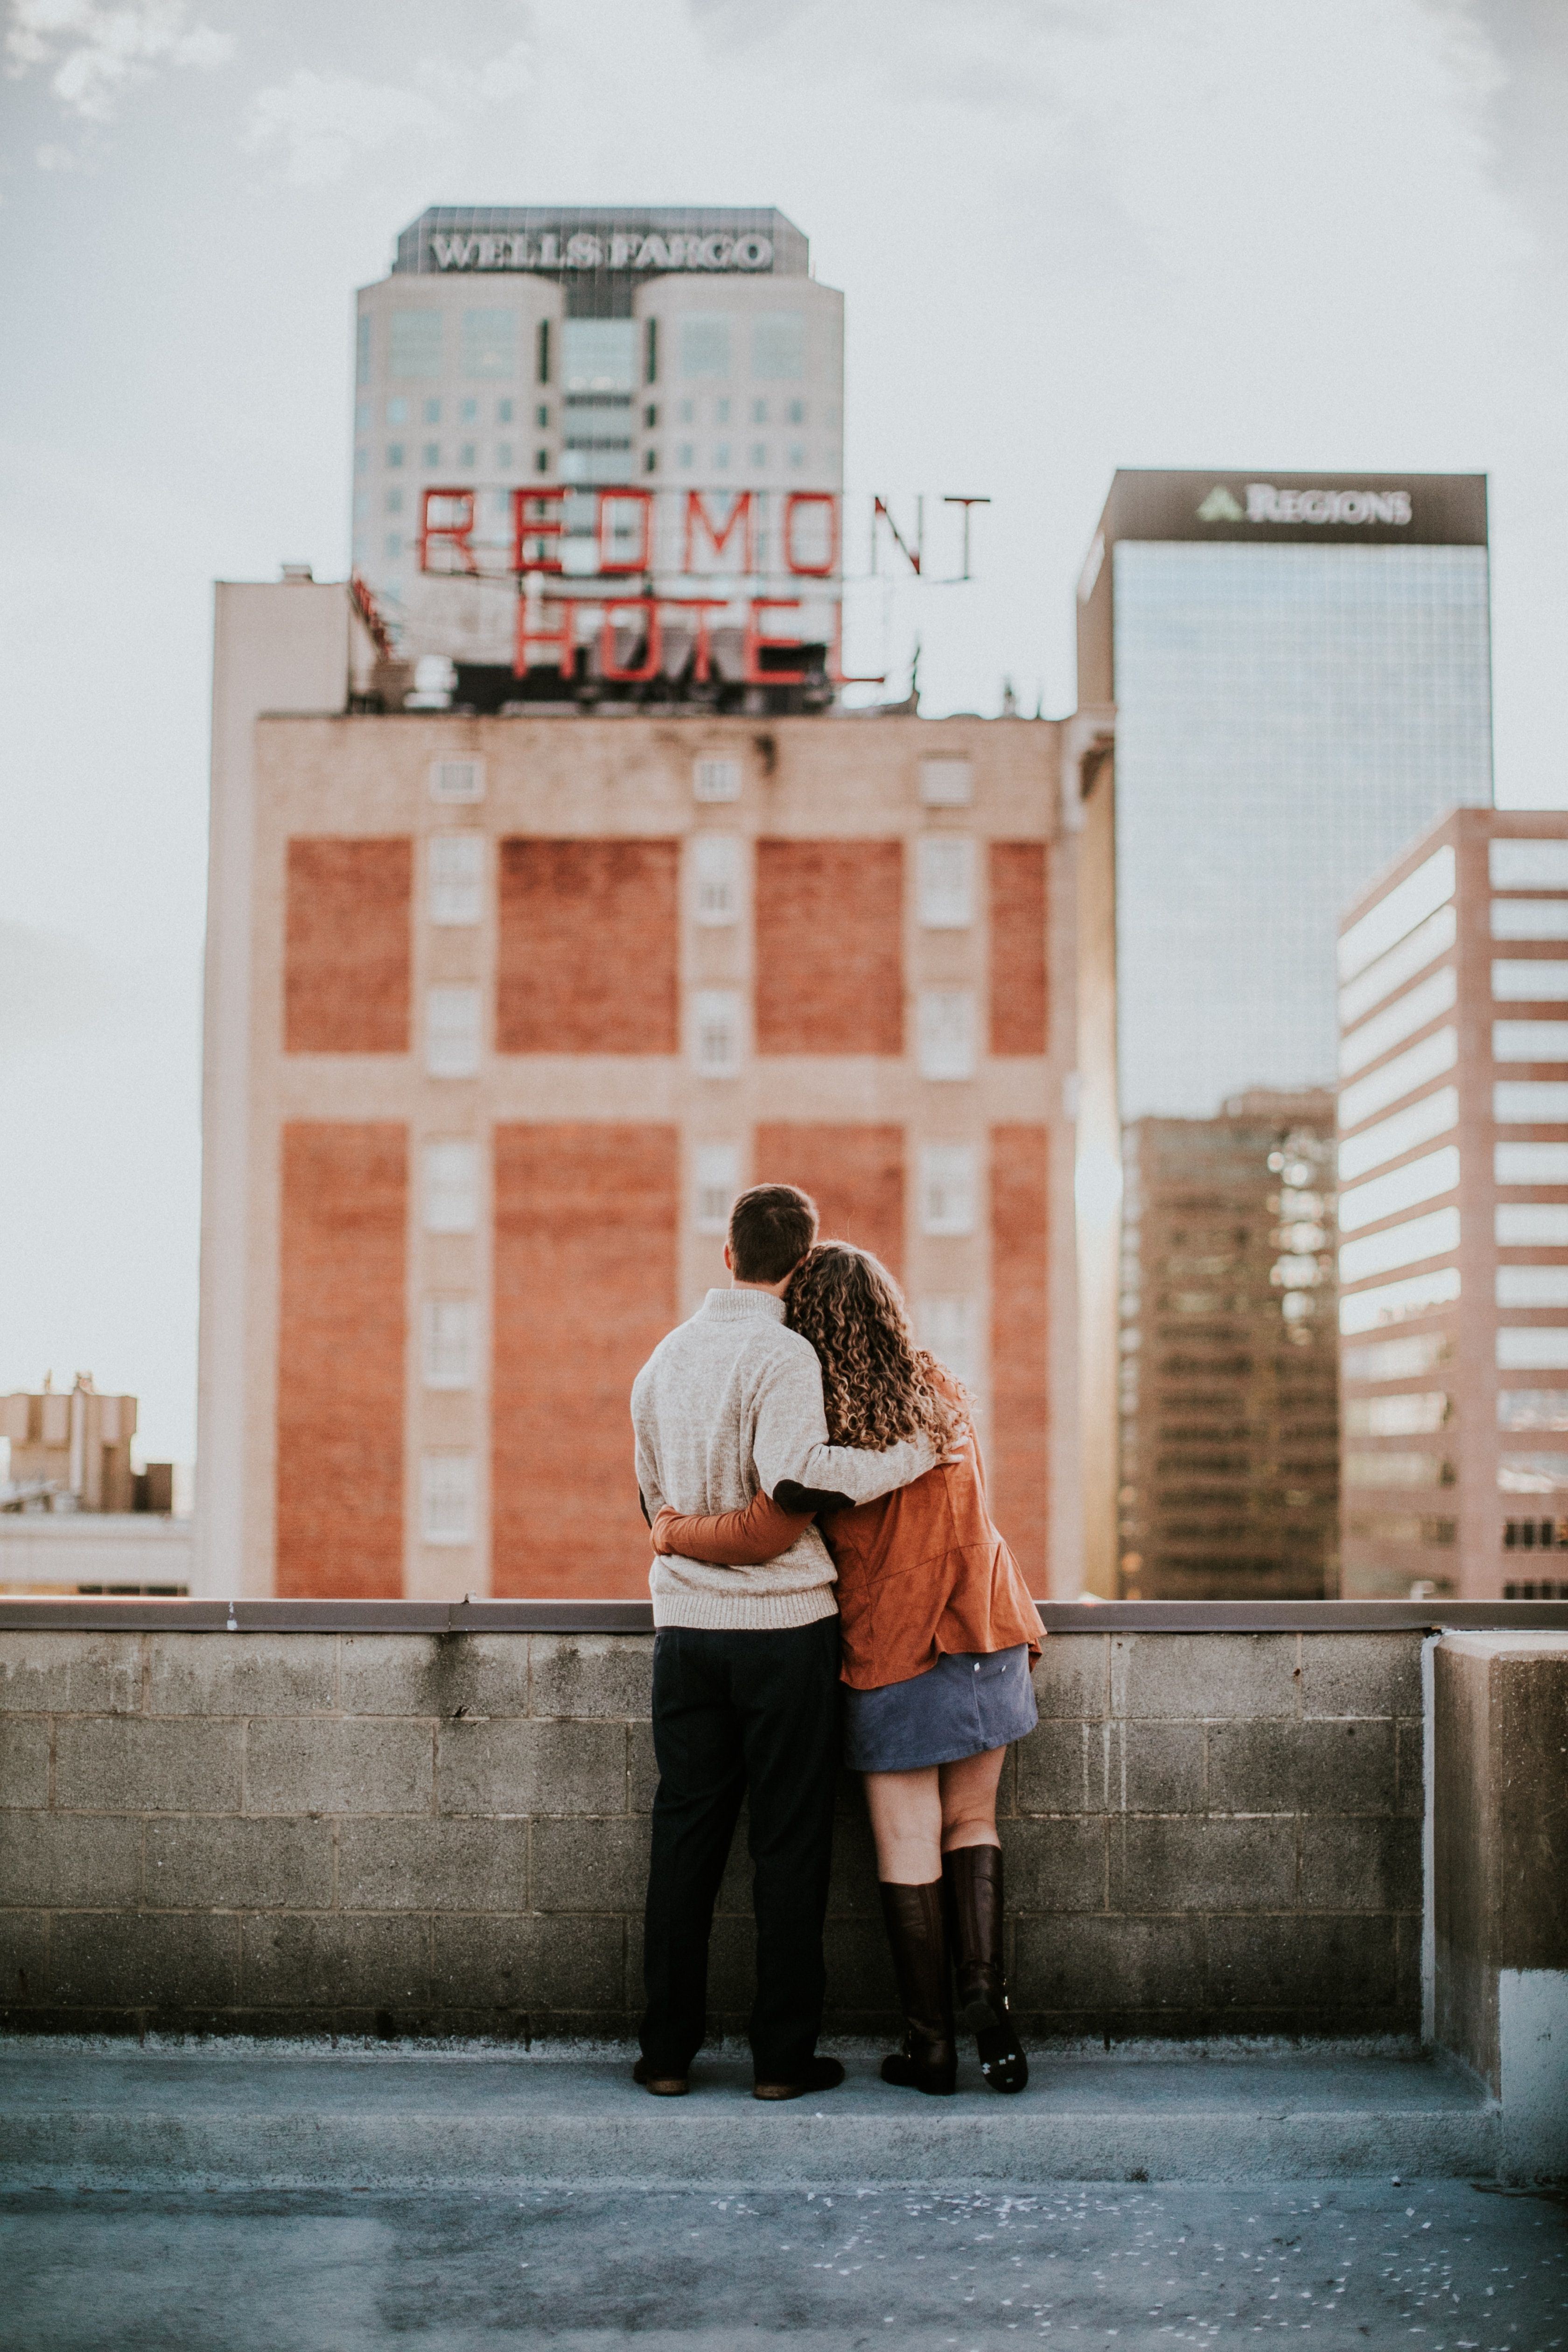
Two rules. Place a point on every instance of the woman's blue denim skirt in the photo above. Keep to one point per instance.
(963, 1705)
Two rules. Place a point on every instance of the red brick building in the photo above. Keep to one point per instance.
(502, 1012)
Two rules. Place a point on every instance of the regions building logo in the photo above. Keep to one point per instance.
(1266, 504)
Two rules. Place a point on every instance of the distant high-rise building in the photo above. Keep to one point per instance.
(1453, 1170)
(1300, 666)
(1228, 1367)
(518, 362)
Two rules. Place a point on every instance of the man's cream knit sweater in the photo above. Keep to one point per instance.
(731, 1401)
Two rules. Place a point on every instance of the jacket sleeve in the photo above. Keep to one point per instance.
(791, 1441)
(730, 1538)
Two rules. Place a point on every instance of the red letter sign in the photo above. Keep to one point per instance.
(742, 511)
(795, 500)
(541, 527)
(455, 532)
(609, 501)
(757, 645)
(608, 666)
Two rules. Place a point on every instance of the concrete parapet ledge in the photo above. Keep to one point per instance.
(259, 2118)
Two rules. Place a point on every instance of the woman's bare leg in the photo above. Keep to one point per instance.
(969, 1800)
(905, 1810)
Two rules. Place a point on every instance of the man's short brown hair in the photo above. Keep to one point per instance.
(771, 1229)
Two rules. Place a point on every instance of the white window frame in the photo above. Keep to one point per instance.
(456, 783)
(947, 782)
(950, 1187)
(715, 778)
(449, 1340)
(454, 1029)
(455, 879)
(948, 1024)
(948, 1327)
(715, 879)
(452, 1185)
(715, 1181)
(718, 1046)
(448, 1498)
(945, 868)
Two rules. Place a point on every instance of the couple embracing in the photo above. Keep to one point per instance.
(827, 1581)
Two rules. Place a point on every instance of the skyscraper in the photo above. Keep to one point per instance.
(1300, 672)
(1452, 1162)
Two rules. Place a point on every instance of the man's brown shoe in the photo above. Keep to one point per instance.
(663, 2087)
(822, 2074)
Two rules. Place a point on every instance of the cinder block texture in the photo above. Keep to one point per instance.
(586, 1221)
(416, 1833)
(587, 958)
(341, 1316)
(346, 961)
(829, 934)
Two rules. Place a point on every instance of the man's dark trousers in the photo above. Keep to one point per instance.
(736, 1715)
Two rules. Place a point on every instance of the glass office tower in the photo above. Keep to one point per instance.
(1301, 668)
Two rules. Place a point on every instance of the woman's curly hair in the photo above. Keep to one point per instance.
(876, 1385)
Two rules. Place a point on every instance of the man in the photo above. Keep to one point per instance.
(746, 1661)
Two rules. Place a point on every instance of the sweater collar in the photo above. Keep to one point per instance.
(728, 1305)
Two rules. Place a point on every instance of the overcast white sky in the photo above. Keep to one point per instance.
(1073, 234)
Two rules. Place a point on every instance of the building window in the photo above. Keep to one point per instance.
(795, 412)
(503, 456)
(395, 453)
(541, 461)
(397, 411)
(395, 502)
(489, 342)
(721, 456)
(451, 1187)
(759, 412)
(431, 453)
(945, 870)
(1538, 980)
(716, 1031)
(948, 1187)
(759, 453)
(797, 455)
(1529, 1163)
(949, 1328)
(716, 871)
(716, 1176)
(448, 1332)
(468, 455)
(452, 781)
(1532, 1224)
(717, 780)
(540, 415)
(650, 352)
(651, 415)
(1539, 864)
(778, 344)
(685, 457)
(415, 346)
(452, 1032)
(1529, 918)
(947, 1033)
(1530, 1102)
(650, 461)
(456, 877)
(448, 1487)
(469, 412)
(541, 352)
(432, 411)
(1530, 1041)
(1532, 1285)
(705, 343)
(947, 783)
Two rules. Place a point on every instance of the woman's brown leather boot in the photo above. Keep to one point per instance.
(917, 1932)
(972, 1877)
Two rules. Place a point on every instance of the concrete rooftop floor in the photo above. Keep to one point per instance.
(1444, 2266)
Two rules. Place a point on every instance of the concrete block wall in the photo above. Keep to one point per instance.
(408, 1834)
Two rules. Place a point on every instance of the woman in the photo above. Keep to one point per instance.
(939, 1632)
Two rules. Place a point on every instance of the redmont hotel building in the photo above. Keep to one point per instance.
(1453, 1212)
(502, 1011)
